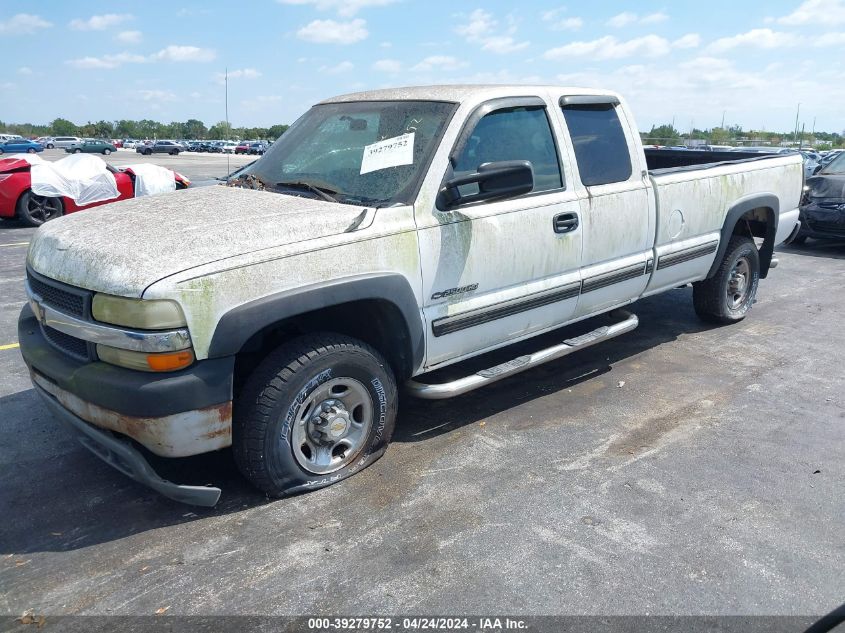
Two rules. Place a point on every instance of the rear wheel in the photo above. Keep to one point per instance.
(77, 151)
(31, 150)
(315, 411)
(106, 152)
(729, 294)
(34, 210)
(50, 146)
(799, 239)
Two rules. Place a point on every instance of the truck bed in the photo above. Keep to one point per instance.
(665, 161)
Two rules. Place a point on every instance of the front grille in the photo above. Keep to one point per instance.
(70, 345)
(62, 298)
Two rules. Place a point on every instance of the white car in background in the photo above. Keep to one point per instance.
(228, 147)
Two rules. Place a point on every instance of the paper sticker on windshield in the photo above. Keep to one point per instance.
(391, 152)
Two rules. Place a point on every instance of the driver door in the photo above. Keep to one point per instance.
(497, 271)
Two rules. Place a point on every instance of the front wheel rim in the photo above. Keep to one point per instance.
(739, 283)
(331, 426)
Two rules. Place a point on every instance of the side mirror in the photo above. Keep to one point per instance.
(502, 179)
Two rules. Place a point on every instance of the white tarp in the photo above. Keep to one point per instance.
(83, 178)
(151, 179)
(32, 159)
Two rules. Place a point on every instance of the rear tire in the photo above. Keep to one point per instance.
(50, 146)
(31, 150)
(77, 151)
(729, 294)
(34, 210)
(799, 240)
(317, 410)
(106, 152)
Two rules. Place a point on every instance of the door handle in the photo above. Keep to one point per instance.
(565, 222)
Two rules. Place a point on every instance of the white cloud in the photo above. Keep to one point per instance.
(157, 95)
(819, 12)
(829, 39)
(626, 17)
(24, 70)
(654, 18)
(690, 40)
(557, 22)
(337, 69)
(345, 8)
(100, 22)
(332, 32)
(24, 24)
(482, 29)
(388, 66)
(608, 47)
(439, 62)
(171, 53)
(129, 37)
(106, 61)
(174, 53)
(757, 38)
(568, 24)
(241, 73)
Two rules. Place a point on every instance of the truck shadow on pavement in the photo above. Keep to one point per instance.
(56, 496)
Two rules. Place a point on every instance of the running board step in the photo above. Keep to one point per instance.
(521, 363)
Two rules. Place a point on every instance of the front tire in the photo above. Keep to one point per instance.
(798, 240)
(729, 294)
(31, 150)
(77, 151)
(317, 410)
(34, 210)
(50, 146)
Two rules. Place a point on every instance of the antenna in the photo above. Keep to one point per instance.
(226, 101)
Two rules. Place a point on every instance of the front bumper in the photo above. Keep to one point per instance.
(122, 456)
(173, 415)
(823, 221)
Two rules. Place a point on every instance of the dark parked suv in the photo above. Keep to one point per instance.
(160, 147)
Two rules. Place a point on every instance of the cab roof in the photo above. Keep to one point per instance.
(459, 93)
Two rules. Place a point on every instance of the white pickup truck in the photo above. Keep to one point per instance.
(386, 235)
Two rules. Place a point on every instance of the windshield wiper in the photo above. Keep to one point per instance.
(323, 192)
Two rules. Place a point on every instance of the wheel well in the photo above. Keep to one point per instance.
(374, 321)
(759, 223)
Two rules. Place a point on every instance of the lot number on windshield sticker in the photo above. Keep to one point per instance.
(391, 152)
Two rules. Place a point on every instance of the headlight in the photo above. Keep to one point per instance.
(155, 314)
(142, 361)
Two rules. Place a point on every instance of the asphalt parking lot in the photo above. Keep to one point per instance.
(679, 469)
(194, 166)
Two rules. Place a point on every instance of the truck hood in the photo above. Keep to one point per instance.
(123, 247)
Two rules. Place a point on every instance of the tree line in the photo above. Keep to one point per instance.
(192, 129)
(666, 134)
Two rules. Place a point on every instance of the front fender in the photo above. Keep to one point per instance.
(238, 325)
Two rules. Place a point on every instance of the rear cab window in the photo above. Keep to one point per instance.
(601, 150)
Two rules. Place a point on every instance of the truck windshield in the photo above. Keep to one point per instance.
(371, 153)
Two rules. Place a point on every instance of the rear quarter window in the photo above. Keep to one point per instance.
(599, 141)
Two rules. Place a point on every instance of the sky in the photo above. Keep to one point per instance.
(693, 63)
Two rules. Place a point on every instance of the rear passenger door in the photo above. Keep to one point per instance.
(499, 270)
(616, 202)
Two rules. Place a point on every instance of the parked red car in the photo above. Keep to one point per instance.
(17, 201)
(242, 147)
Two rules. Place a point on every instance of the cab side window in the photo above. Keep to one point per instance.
(521, 133)
(599, 141)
